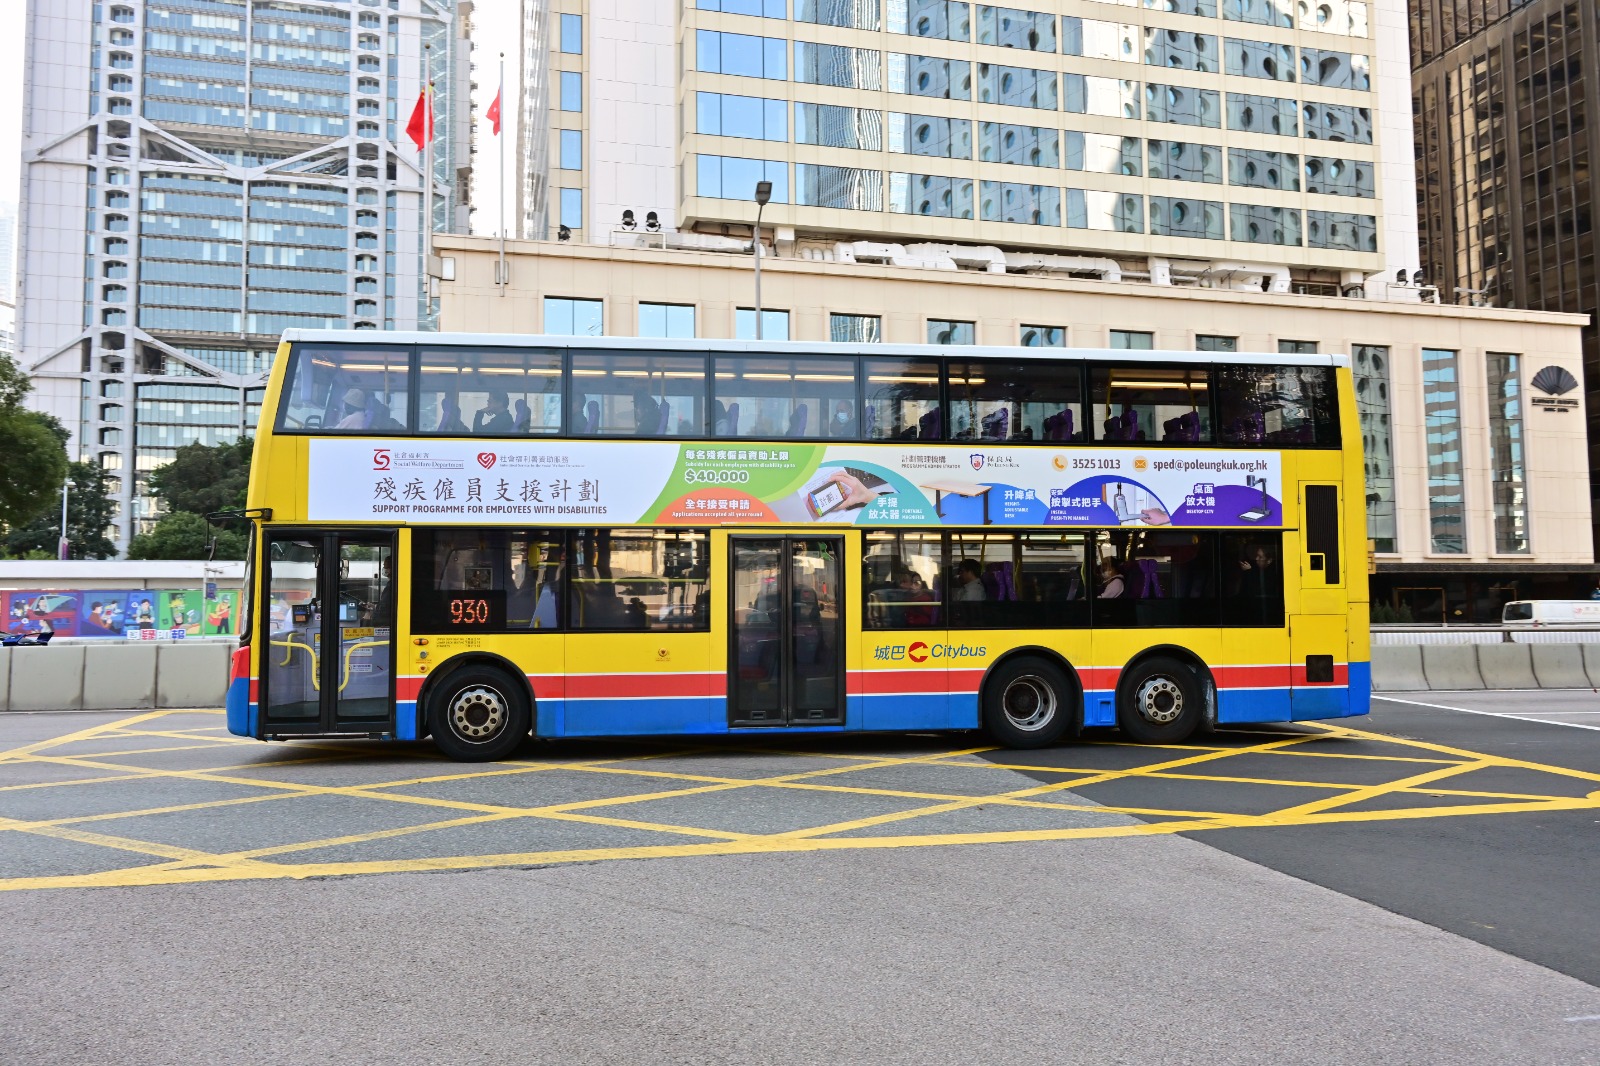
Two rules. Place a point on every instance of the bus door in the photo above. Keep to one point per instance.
(786, 662)
(328, 615)
(1319, 640)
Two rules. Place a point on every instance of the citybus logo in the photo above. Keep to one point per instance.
(380, 458)
(486, 459)
(918, 652)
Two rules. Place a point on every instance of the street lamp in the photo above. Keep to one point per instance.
(66, 487)
(763, 194)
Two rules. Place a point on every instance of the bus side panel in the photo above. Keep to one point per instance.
(636, 684)
(1253, 684)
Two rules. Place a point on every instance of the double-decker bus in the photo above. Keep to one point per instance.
(483, 537)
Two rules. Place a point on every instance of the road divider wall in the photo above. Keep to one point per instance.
(143, 675)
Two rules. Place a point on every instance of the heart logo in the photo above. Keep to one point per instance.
(486, 459)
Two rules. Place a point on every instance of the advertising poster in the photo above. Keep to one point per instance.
(222, 614)
(659, 483)
(105, 611)
(180, 609)
(34, 611)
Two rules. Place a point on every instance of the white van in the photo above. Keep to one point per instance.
(1551, 613)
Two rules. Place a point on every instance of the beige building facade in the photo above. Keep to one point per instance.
(1471, 418)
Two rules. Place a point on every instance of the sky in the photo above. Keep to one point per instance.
(494, 27)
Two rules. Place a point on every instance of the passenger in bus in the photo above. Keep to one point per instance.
(646, 413)
(843, 422)
(355, 410)
(450, 416)
(1260, 572)
(381, 418)
(969, 582)
(1110, 580)
(495, 417)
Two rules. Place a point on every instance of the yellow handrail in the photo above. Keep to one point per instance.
(289, 654)
(349, 653)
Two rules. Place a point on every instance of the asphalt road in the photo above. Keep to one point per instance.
(1297, 895)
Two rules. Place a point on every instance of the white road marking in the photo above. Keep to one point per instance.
(1489, 714)
(1585, 1018)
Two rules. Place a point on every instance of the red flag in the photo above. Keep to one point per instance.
(493, 114)
(420, 128)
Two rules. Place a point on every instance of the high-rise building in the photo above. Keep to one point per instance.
(200, 175)
(1503, 92)
(1189, 136)
(8, 253)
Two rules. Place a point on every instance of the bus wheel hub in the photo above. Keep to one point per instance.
(477, 713)
(1029, 702)
(1159, 700)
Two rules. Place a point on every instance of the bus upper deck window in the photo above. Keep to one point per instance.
(500, 392)
(346, 389)
(1142, 403)
(638, 394)
(1285, 406)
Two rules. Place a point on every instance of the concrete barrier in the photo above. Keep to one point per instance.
(47, 679)
(123, 676)
(1506, 666)
(1591, 663)
(1559, 665)
(1451, 666)
(1398, 668)
(191, 675)
(5, 679)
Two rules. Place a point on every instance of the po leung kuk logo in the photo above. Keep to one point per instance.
(977, 460)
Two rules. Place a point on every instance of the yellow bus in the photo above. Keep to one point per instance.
(481, 537)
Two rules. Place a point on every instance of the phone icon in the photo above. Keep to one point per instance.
(824, 498)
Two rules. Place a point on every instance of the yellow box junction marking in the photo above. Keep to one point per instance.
(1421, 769)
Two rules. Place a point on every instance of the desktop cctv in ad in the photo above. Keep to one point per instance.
(722, 483)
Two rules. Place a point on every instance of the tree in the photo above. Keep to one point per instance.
(185, 535)
(205, 478)
(90, 510)
(34, 454)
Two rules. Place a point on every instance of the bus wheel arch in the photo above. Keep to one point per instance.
(1031, 697)
(1164, 694)
(478, 707)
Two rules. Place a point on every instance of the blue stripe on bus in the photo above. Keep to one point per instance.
(241, 712)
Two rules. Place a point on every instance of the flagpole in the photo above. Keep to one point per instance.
(500, 102)
(427, 170)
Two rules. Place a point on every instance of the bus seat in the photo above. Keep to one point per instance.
(733, 420)
(797, 421)
(666, 419)
(996, 426)
(1142, 581)
(522, 414)
(1172, 429)
(871, 423)
(931, 425)
(1189, 425)
(1064, 426)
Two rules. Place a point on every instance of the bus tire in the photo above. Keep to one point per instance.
(479, 714)
(1160, 701)
(1027, 703)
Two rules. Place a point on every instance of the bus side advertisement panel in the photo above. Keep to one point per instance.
(660, 483)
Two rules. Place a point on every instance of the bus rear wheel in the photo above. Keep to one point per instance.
(1159, 701)
(1027, 703)
(479, 714)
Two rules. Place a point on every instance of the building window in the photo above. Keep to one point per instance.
(1132, 340)
(729, 177)
(571, 150)
(741, 55)
(1505, 453)
(944, 331)
(852, 15)
(572, 34)
(1044, 336)
(774, 324)
(1211, 343)
(564, 317)
(942, 19)
(855, 328)
(571, 91)
(847, 188)
(572, 208)
(838, 127)
(1441, 406)
(772, 9)
(1297, 347)
(1371, 373)
(838, 65)
(667, 320)
(1008, 201)
(727, 115)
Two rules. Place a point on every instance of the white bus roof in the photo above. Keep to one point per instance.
(978, 351)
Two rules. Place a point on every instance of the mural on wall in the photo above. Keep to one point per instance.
(135, 614)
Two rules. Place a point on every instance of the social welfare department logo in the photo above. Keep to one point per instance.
(380, 458)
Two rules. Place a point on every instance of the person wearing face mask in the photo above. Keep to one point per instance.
(843, 423)
(355, 410)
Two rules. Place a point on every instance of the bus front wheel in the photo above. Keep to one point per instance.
(1159, 702)
(478, 715)
(1027, 703)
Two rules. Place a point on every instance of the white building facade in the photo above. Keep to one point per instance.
(198, 176)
